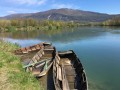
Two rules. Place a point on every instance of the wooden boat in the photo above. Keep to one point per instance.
(41, 62)
(36, 47)
(68, 72)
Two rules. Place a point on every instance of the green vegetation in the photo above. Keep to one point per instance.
(112, 22)
(12, 76)
(32, 24)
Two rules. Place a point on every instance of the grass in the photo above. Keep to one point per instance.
(12, 75)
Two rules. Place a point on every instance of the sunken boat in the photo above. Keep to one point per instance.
(68, 72)
(41, 62)
(33, 48)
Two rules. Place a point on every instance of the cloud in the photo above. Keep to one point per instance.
(11, 12)
(42, 2)
(62, 6)
(18, 10)
(56, 5)
(28, 2)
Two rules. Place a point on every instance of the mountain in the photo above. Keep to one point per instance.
(65, 14)
(13, 16)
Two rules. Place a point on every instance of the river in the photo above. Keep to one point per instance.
(97, 47)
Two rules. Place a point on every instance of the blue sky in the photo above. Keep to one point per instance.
(29, 6)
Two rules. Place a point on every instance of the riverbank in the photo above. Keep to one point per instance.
(12, 75)
(32, 24)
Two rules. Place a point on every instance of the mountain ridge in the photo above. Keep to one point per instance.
(65, 14)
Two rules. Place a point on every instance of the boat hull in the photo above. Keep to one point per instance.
(33, 48)
(68, 72)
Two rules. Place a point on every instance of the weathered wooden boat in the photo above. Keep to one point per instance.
(68, 72)
(28, 49)
(41, 62)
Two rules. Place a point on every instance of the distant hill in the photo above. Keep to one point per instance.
(65, 14)
(13, 16)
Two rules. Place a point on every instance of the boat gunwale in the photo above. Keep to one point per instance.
(30, 48)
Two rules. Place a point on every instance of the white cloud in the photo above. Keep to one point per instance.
(62, 6)
(18, 10)
(11, 12)
(28, 2)
(42, 2)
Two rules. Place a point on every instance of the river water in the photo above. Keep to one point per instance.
(97, 47)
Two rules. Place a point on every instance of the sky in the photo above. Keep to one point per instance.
(31, 6)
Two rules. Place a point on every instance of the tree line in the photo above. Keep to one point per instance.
(29, 24)
(112, 22)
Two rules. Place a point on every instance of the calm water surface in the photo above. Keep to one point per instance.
(98, 49)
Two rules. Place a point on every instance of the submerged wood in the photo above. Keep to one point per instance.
(68, 72)
(33, 48)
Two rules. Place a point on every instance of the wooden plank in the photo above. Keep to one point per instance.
(36, 71)
(60, 73)
(48, 51)
(34, 59)
(71, 86)
(65, 61)
(42, 52)
(39, 54)
(57, 57)
(33, 48)
(57, 61)
(37, 47)
(67, 52)
(24, 50)
(57, 72)
(37, 57)
(48, 47)
(54, 69)
(64, 82)
(69, 70)
(40, 64)
(45, 58)
(48, 55)
(34, 63)
(18, 51)
(28, 49)
(71, 79)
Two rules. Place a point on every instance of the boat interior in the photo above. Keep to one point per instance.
(42, 60)
(70, 73)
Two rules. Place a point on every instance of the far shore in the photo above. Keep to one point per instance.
(32, 24)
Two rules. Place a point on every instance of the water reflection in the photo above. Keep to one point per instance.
(57, 35)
